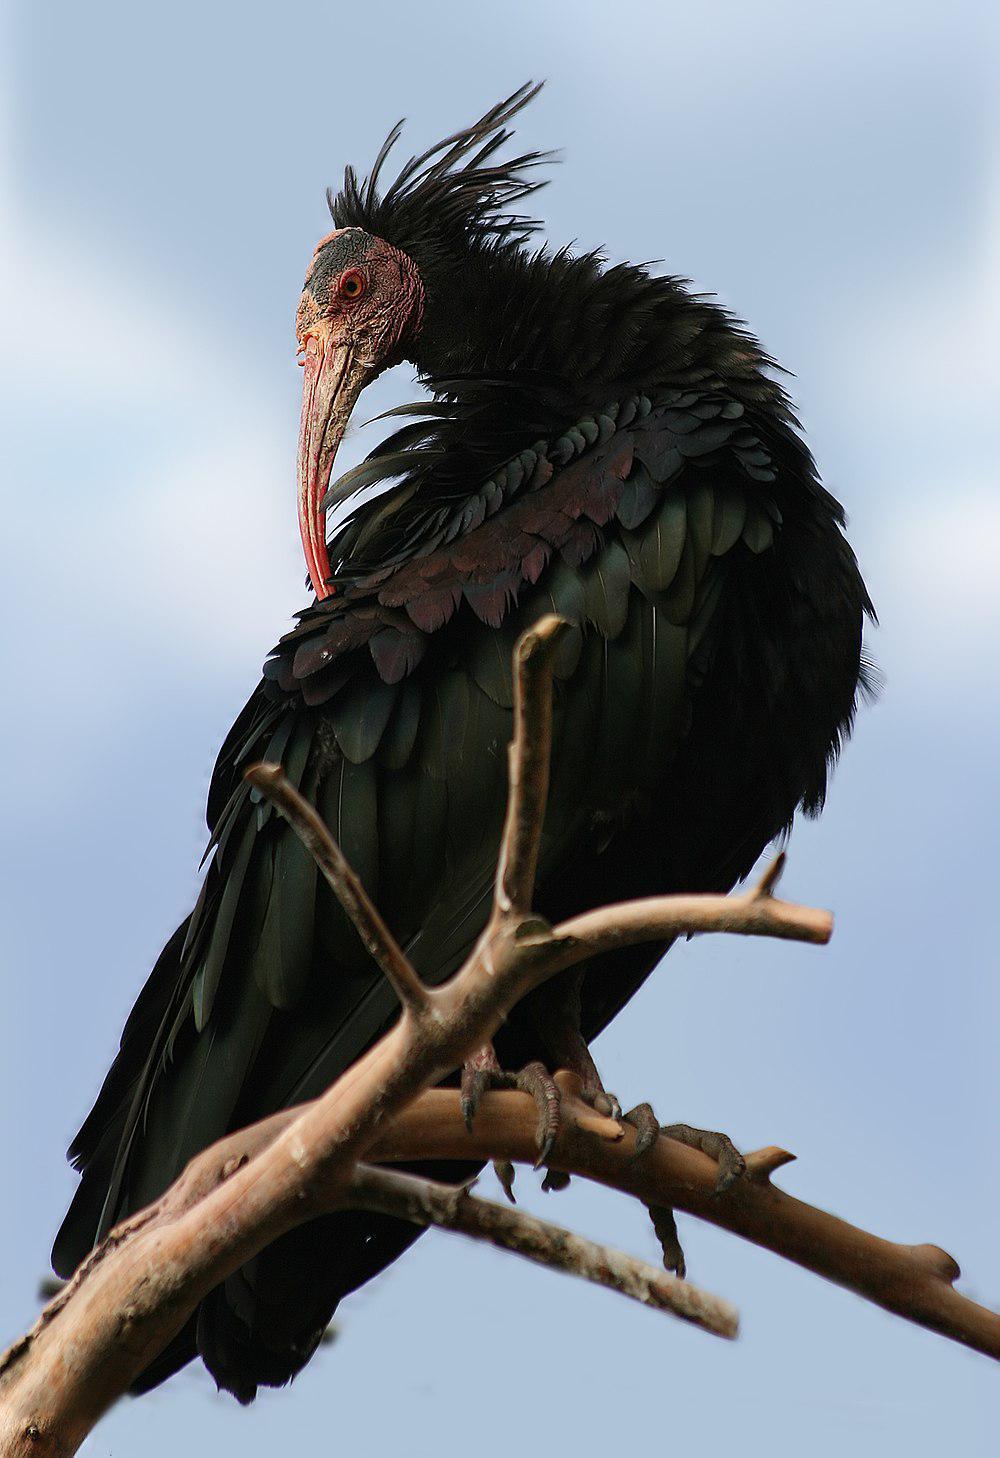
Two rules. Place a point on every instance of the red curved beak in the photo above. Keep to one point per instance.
(334, 379)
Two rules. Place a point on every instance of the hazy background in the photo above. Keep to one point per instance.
(831, 172)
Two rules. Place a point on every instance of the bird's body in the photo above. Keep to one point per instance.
(600, 443)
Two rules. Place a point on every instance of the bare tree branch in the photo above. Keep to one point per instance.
(912, 1281)
(452, 1207)
(528, 763)
(271, 780)
(753, 913)
(151, 1271)
(134, 1293)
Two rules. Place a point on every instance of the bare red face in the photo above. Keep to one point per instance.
(361, 306)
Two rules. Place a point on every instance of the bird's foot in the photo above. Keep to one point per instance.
(592, 1090)
(717, 1146)
(481, 1072)
(665, 1229)
(646, 1126)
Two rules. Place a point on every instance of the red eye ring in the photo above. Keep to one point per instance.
(352, 284)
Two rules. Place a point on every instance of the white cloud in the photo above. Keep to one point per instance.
(196, 536)
(918, 370)
(944, 556)
(929, 345)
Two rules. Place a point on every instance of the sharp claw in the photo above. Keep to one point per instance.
(602, 1102)
(504, 1171)
(482, 1072)
(555, 1179)
(730, 1170)
(665, 1227)
(545, 1150)
(646, 1126)
(644, 1142)
(477, 1074)
(534, 1079)
(717, 1146)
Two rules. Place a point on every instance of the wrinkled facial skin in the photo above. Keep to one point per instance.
(380, 320)
(361, 307)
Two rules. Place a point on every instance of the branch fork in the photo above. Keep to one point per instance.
(134, 1293)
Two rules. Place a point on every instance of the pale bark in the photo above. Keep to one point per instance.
(133, 1294)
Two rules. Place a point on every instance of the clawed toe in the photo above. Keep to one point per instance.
(535, 1079)
(481, 1073)
(665, 1227)
(601, 1101)
(478, 1074)
(555, 1179)
(472, 1094)
(504, 1171)
(646, 1126)
(717, 1146)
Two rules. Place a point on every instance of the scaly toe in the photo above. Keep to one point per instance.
(601, 1101)
(473, 1088)
(717, 1146)
(535, 1079)
(479, 1073)
(665, 1227)
(646, 1126)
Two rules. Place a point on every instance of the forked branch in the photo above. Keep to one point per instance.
(137, 1290)
(453, 1207)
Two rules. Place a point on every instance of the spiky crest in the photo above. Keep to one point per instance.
(454, 197)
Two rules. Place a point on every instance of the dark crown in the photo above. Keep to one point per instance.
(452, 198)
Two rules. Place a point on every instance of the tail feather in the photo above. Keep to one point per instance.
(262, 1325)
(96, 1149)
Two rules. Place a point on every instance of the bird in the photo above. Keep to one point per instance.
(596, 440)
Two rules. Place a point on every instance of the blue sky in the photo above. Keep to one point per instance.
(830, 172)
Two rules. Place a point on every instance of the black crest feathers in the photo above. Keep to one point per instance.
(453, 197)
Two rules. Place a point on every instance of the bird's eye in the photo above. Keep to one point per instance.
(352, 284)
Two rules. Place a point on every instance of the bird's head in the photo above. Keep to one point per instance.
(373, 283)
(360, 310)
